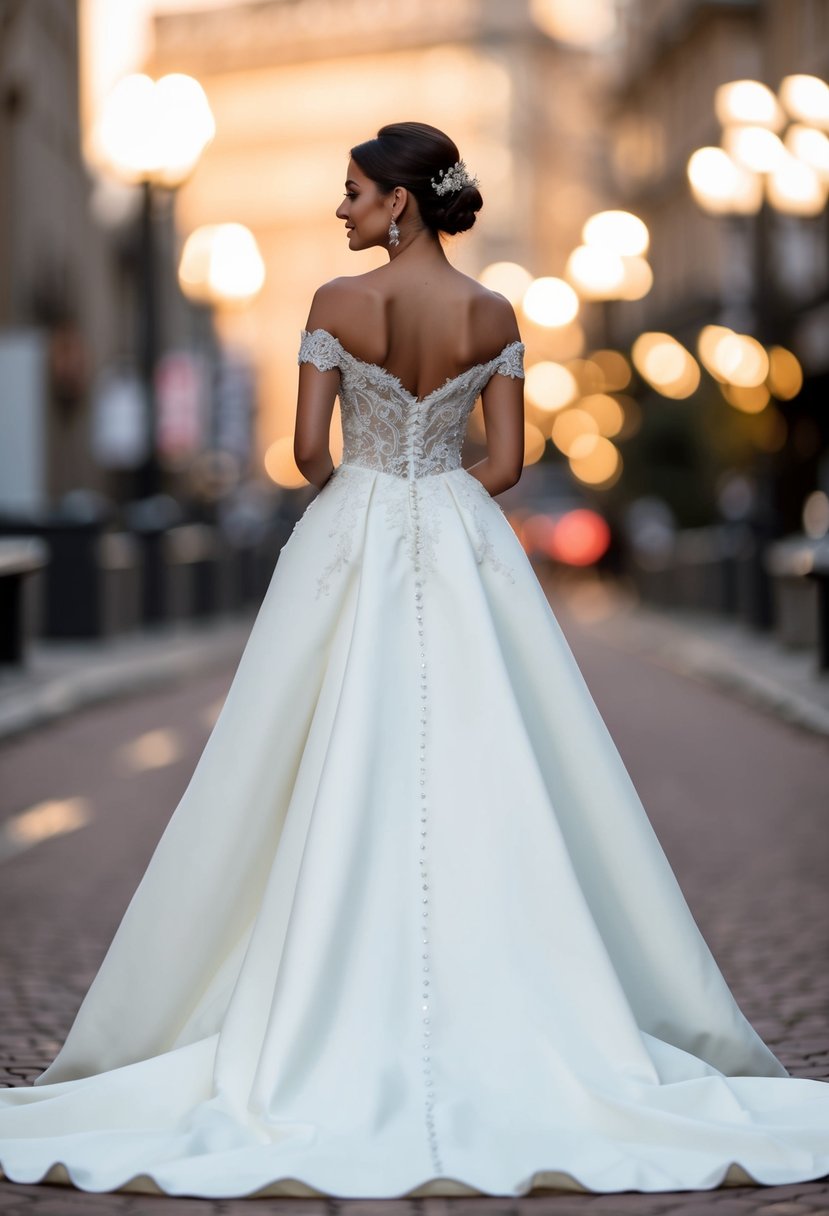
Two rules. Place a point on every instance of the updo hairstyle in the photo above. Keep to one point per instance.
(410, 154)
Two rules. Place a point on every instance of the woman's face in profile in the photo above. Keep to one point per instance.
(365, 211)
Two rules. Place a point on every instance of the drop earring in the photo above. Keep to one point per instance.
(394, 232)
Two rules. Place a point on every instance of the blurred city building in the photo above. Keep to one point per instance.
(60, 286)
(295, 86)
(655, 176)
(74, 404)
(759, 269)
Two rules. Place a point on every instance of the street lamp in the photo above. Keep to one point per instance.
(773, 150)
(151, 133)
(221, 265)
(222, 268)
(773, 157)
(610, 264)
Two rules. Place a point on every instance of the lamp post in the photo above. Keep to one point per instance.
(773, 157)
(151, 134)
(221, 268)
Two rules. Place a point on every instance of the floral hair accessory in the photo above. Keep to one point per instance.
(453, 179)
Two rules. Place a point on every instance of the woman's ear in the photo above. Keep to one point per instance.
(401, 197)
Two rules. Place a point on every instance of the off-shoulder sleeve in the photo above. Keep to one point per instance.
(320, 348)
(511, 361)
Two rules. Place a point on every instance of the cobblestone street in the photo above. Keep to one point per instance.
(737, 798)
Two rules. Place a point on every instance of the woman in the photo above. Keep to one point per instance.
(409, 931)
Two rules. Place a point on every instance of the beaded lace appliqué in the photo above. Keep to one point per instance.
(387, 429)
(353, 502)
(477, 499)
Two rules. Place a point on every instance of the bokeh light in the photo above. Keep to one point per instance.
(597, 274)
(741, 360)
(619, 232)
(721, 186)
(796, 188)
(571, 426)
(708, 341)
(810, 146)
(748, 101)
(600, 467)
(666, 364)
(221, 263)
(754, 148)
(806, 98)
(581, 23)
(607, 411)
(751, 399)
(550, 302)
(549, 386)
(638, 278)
(588, 375)
(785, 377)
(154, 130)
(509, 278)
(579, 537)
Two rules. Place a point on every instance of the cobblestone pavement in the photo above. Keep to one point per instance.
(738, 800)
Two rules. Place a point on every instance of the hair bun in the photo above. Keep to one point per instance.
(457, 212)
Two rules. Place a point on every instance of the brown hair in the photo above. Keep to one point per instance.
(410, 154)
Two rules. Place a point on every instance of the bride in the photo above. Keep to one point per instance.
(409, 931)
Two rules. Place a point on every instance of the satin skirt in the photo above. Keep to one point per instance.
(409, 930)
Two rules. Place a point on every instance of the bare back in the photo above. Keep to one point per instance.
(424, 323)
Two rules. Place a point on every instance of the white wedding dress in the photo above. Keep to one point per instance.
(409, 930)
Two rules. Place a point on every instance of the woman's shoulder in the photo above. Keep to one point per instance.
(335, 300)
(347, 286)
(350, 306)
(493, 317)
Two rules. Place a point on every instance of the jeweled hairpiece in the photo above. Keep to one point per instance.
(453, 179)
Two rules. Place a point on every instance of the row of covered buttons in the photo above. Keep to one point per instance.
(426, 1002)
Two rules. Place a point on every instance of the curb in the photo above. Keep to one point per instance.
(725, 657)
(61, 678)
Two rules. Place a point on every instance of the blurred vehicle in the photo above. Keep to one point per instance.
(554, 520)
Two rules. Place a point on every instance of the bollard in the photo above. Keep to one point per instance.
(20, 558)
(789, 562)
(820, 574)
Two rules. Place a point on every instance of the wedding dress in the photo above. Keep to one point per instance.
(409, 930)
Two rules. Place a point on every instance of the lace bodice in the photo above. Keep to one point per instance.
(385, 427)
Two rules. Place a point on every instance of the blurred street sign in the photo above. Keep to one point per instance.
(182, 403)
(23, 419)
(118, 421)
(234, 406)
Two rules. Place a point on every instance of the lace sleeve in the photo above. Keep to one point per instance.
(511, 361)
(320, 348)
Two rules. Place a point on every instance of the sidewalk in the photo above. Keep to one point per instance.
(724, 653)
(61, 677)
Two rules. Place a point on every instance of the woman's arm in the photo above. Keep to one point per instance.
(316, 393)
(315, 406)
(503, 405)
(503, 402)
